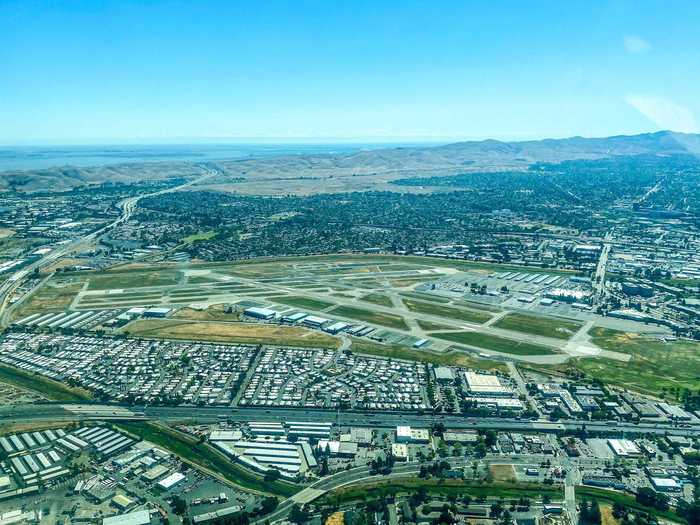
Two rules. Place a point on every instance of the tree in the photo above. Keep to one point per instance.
(179, 505)
(297, 514)
(618, 510)
(323, 469)
(489, 438)
(268, 505)
(689, 511)
(496, 509)
(272, 475)
(506, 518)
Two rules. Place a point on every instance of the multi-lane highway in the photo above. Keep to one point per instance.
(127, 207)
(50, 411)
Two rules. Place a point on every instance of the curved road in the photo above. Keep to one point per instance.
(128, 206)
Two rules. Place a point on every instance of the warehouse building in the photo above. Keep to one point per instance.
(171, 480)
(293, 318)
(343, 449)
(399, 451)
(156, 312)
(261, 428)
(217, 514)
(406, 434)
(486, 385)
(497, 404)
(260, 313)
(140, 517)
(225, 435)
(624, 448)
(444, 374)
(313, 321)
(665, 485)
(336, 328)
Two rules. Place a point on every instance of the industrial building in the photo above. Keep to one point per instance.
(444, 374)
(260, 313)
(399, 451)
(666, 484)
(406, 434)
(313, 321)
(486, 385)
(139, 517)
(156, 312)
(171, 480)
(624, 448)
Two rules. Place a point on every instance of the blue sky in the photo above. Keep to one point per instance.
(166, 71)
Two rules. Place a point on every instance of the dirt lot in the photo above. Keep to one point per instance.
(213, 313)
(502, 472)
(606, 515)
(231, 333)
(12, 395)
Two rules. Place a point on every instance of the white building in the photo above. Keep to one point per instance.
(624, 447)
(399, 451)
(486, 385)
(406, 434)
(260, 313)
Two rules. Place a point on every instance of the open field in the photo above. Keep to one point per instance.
(430, 326)
(655, 368)
(18, 427)
(368, 316)
(301, 302)
(538, 325)
(200, 236)
(448, 312)
(453, 358)
(478, 306)
(276, 265)
(14, 395)
(213, 313)
(495, 343)
(377, 298)
(132, 279)
(221, 332)
(502, 472)
(606, 515)
(426, 297)
(54, 296)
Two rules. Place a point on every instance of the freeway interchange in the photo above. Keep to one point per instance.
(127, 207)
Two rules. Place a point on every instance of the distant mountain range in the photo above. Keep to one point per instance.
(364, 170)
